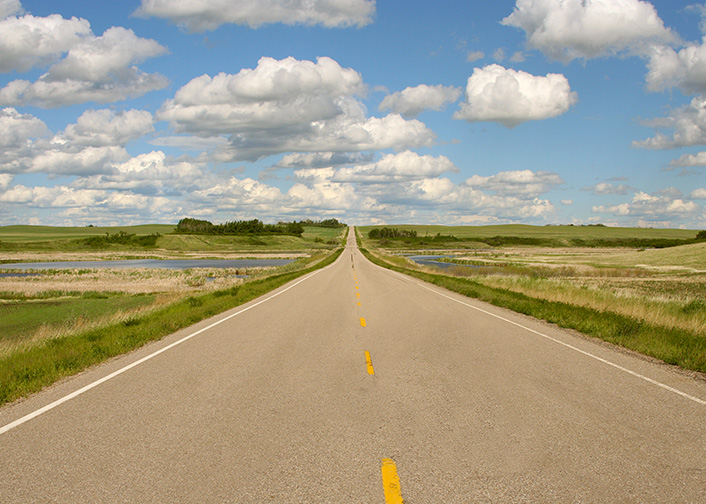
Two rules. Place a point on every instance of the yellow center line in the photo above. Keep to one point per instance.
(359, 303)
(362, 322)
(391, 482)
(369, 362)
(357, 294)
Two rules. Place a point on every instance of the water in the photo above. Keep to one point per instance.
(173, 264)
(428, 260)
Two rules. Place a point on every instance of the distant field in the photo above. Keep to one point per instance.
(47, 238)
(42, 233)
(555, 232)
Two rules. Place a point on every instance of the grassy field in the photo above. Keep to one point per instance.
(557, 232)
(77, 239)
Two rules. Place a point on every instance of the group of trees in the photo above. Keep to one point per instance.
(382, 233)
(241, 227)
(327, 223)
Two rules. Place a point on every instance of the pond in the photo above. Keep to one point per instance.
(429, 260)
(150, 263)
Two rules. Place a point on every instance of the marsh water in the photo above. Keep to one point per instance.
(150, 263)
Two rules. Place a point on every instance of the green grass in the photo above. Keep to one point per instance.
(30, 370)
(22, 317)
(671, 345)
(555, 232)
(49, 233)
(68, 239)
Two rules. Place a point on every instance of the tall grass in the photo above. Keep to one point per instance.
(29, 370)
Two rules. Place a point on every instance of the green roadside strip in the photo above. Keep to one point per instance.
(29, 371)
(671, 345)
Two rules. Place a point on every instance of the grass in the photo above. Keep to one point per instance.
(684, 347)
(72, 239)
(479, 237)
(30, 369)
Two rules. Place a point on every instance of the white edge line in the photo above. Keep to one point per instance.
(120, 371)
(567, 345)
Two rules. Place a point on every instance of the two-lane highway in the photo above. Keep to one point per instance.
(357, 384)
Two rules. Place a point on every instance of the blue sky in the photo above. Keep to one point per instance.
(454, 112)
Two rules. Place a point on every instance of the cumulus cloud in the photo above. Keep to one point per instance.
(201, 15)
(519, 183)
(603, 188)
(287, 106)
(149, 173)
(100, 69)
(698, 159)
(17, 129)
(106, 127)
(685, 69)
(322, 159)
(688, 123)
(511, 97)
(405, 165)
(699, 193)
(662, 207)
(9, 7)
(29, 41)
(568, 29)
(411, 101)
(91, 145)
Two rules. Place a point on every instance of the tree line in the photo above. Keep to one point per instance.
(239, 227)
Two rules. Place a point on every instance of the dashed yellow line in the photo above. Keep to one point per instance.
(391, 482)
(362, 322)
(357, 294)
(369, 363)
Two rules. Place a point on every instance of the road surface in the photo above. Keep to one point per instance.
(359, 385)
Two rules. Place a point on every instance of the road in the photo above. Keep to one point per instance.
(359, 385)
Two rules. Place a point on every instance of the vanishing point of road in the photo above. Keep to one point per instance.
(355, 384)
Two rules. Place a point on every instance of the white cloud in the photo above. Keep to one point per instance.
(568, 29)
(106, 127)
(148, 173)
(511, 97)
(287, 106)
(688, 123)
(520, 183)
(606, 188)
(9, 7)
(99, 69)
(699, 193)
(201, 15)
(322, 159)
(475, 56)
(654, 208)
(698, 159)
(76, 160)
(91, 145)
(567, 202)
(405, 165)
(411, 101)
(17, 129)
(685, 69)
(28, 41)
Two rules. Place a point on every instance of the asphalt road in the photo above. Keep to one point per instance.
(358, 385)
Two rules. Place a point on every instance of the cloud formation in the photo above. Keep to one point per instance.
(412, 101)
(202, 15)
(287, 106)
(565, 30)
(405, 165)
(511, 97)
(654, 209)
(684, 69)
(100, 69)
(688, 123)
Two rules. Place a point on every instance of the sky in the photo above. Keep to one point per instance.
(457, 112)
